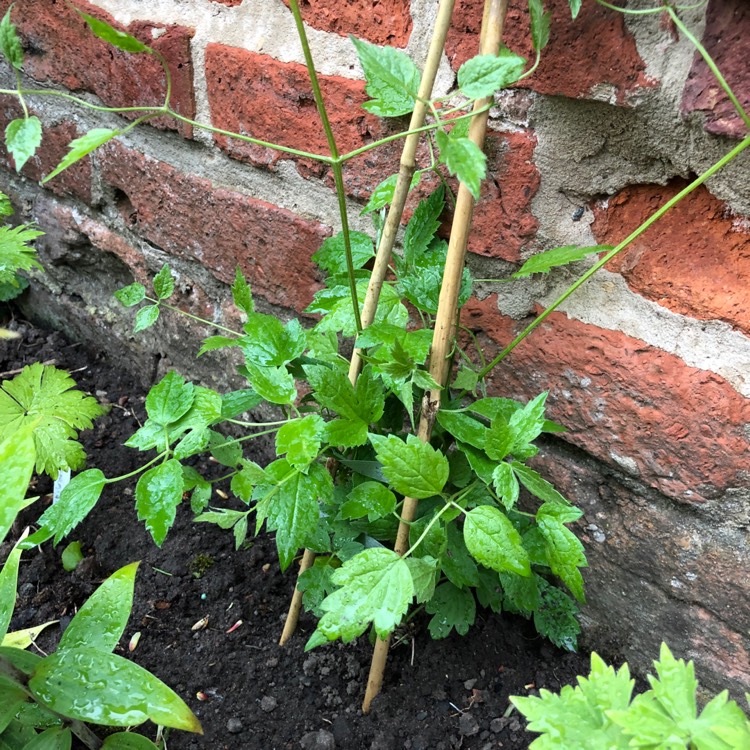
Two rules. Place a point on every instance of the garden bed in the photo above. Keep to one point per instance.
(246, 690)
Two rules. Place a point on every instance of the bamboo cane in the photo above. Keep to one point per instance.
(407, 168)
(445, 322)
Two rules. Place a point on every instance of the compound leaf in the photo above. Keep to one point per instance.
(15, 253)
(331, 256)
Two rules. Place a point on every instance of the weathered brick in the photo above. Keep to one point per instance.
(588, 57)
(76, 180)
(254, 94)
(680, 429)
(386, 22)
(189, 217)
(61, 49)
(727, 40)
(695, 260)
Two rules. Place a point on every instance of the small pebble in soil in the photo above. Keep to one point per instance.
(467, 725)
(497, 725)
(268, 703)
(469, 684)
(234, 726)
(320, 740)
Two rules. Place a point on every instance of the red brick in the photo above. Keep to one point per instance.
(386, 22)
(189, 217)
(254, 94)
(76, 180)
(727, 40)
(683, 427)
(695, 260)
(61, 49)
(594, 49)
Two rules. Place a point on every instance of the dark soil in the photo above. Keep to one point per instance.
(246, 690)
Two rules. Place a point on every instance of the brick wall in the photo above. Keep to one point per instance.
(649, 365)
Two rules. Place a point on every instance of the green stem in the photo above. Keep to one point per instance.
(712, 170)
(112, 480)
(712, 65)
(20, 95)
(427, 528)
(167, 77)
(256, 424)
(193, 317)
(83, 102)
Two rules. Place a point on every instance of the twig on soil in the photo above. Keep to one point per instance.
(19, 370)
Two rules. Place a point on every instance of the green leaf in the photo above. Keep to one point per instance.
(128, 741)
(482, 466)
(555, 618)
(361, 403)
(540, 24)
(375, 586)
(383, 193)
(15, 253)
(565, 552)
(370, 499)
(71, 556)
(8, 583)
(300, 440)
(506, 485)
(17, 458)
(424, 571)
(6, 209)
(575, 7)
(249, 476)
(423, 225)
(527, 423)
(315, 584)
(521, 594)
(274, 384)
(269, 343)
(157, 495)
(116, 38)
(537, 485)
(131, 295)
(494, 542)
(489, 591)
(91, 685)
(16, 736)
(76, 500)
(238, 402)
(452, 608)
(483, 75)
(81, 147)
(223, 518)
(464, 159)
(292, 511)
(435, 540)
(331, 256)
(100, 622)
(212, 343)
(12, 699)
(145, 318)
(456, 562)
(241, 293)
(392, 79)
(558, 256)
(55, 738)
(413, 468)
(10, 44)
(463, 428)
(346, 433)
(42, 397)
(195, 441)
(226, 450)
(170, 399)
(164, 282)
(22, 139)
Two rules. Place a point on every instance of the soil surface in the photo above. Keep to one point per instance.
(246, 690)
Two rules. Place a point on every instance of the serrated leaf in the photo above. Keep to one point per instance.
(555, 258)
(555, 618)
(300, 440)
(456, 562)
(392, 79)
(345, 433)
(370, 499)
(361, 403)
(242, 295)
(43, 397)
(131, 295)
(238, 402)
(383, 194)
(424, 572)
(16, 254)
(170, 399)
(575, 7)
(494, 542)
(212, 343)
(274, 384)
(375, 587)
(540, 25)
(223, 518)
(506, 485)
(315, 584)
(116, 38)
(90, 685)
(164, 282)
(100, 622)
(157, 495)
(466, 379)
(8, 584)
(81, 147)
(22, 139)
(527, 423)
(145, 318)
(423, 225)
(463, 427)
(537, 485)
(452, 608)
(413, 468)
(464, 159)
(489, 591)
(521, 594)
(226, 450)
(10, 44)
(483, 75)
(248, 477)
(76, 501)
(331, 256)
(565, 552)
(17, 459)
